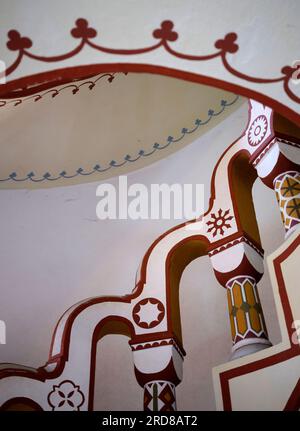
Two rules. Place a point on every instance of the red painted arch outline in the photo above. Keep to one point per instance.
(42, 374)
(50, 79)
(163, 39)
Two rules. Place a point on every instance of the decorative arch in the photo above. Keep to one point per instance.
(243, 175)
(225, 232)
(150, 315)
(179, 257)
(164, 44)
(111, 325)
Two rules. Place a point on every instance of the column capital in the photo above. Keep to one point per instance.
(161, 360)
(158, 369)
(278, 166)
(279, 155)
(237, 257)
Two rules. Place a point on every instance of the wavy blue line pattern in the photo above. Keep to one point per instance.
(128, 158)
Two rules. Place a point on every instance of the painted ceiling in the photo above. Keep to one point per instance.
(89, 90)
(103, 126)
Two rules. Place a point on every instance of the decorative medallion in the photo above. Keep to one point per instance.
(66, 396)
(258, 130)
(219, 222)
(148, 313)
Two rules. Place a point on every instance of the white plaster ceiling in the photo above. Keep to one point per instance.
(100, 127)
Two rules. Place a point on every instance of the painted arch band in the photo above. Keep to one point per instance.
(165, 36)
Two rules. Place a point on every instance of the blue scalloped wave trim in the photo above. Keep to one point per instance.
(127, 159)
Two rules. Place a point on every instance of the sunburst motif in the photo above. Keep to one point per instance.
(219, 222)
(258, 130)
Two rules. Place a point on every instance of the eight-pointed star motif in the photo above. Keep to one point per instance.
(148, 313)
(219, 222)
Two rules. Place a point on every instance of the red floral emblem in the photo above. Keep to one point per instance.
(82, 30)
(17, 42)
(165, 32)
(228, 43)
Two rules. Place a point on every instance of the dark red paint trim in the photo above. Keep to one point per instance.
(163, 39)
(62, 76)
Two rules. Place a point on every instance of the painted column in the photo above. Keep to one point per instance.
(159, 395)
(278, 166)
(238, 266)
(248, 328)
(158, 370)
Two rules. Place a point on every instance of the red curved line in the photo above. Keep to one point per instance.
(47, 85)
(9, 102)
(190, 57)
(247, 77)
(13, 66)
(110, 75)
(57, 57)
(85, 83)
(64, 75)
(124, 51)
(34, 96)
(68, 86)
(289, 91)
(52, 90)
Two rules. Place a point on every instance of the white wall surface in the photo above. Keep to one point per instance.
(55, 252)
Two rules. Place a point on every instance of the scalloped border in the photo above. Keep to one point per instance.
(128, 158)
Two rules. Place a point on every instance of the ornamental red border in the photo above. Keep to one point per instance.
(164, 37)
(54, 92)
